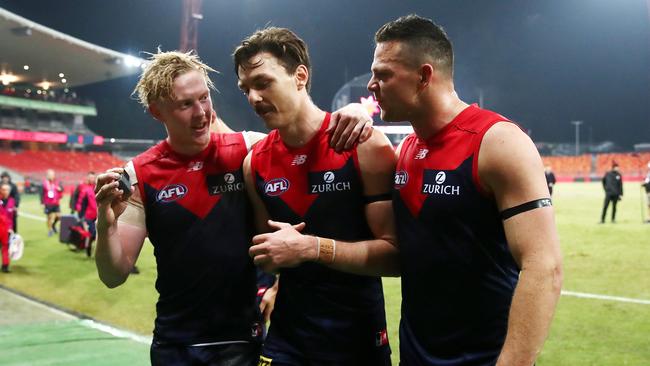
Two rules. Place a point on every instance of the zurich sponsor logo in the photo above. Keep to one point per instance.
(401, 178)
(276, 187)
(229, 178)
(440, 177)
(171, 193)
(328, 177)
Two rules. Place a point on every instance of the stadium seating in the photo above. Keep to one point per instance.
(70, 167)
(633, 166)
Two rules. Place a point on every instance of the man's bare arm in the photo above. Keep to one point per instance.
(510, 168)
(118, 246)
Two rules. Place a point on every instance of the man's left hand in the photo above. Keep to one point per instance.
(285, 247)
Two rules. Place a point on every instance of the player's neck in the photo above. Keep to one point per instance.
(304, 126)
(186, 149)
(437, 113)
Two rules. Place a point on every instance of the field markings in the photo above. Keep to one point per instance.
(31, 216)
(90, 323)
(605, 297)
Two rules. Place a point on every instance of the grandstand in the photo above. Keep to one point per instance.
(592, 167)
(41, 115)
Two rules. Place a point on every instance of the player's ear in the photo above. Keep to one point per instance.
(154, 110)
(302, 76)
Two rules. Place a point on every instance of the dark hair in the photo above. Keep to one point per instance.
(286, 46)
(5, 174)
(425, 39)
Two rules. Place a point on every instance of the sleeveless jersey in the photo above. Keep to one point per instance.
(199, 221)
(458, 276)
(319, 312)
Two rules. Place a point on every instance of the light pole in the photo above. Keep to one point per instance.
(577, 124)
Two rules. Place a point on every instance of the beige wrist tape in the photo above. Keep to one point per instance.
(326, 250)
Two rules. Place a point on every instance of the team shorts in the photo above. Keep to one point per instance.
(274, 357)
(52, 209)
(232, 354)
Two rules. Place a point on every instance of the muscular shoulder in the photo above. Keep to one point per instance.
(377, 153)
(509, 162)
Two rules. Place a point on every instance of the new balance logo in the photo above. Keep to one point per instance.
(299, 160)
(422, 154)
(195, 166)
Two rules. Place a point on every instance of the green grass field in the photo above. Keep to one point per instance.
(610, 259)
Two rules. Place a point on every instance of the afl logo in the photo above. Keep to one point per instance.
(171, 193)
(328, 177)
(276, 187)
(401, 178)
(440, 177)
(229, 178)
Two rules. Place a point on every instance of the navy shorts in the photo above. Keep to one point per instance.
(274, 357)
(52, 209)
(232, 354)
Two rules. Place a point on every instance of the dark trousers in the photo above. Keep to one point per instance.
(613, 199)
(234, 354)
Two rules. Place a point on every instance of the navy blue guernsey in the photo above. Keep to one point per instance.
(458, 276)
(320, 313)
(199, 221)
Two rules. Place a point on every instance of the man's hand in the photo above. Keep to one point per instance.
(285, 247)
(349, 124)
(110, 203)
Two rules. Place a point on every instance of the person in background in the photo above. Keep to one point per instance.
(86, 207)
(7, 210)
(646, 185)
(613, 186)
(550, 179)
(6, 178)
(51, 194)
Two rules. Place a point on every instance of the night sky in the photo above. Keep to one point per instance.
(541, 63)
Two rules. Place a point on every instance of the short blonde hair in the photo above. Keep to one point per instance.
(157, 80)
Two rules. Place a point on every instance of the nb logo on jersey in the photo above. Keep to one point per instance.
(299, 160)
(401, 178)
(171, 193)
(421, 154)
(264, 361)
(276, 187)
(195, 166)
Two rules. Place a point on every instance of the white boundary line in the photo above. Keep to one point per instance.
(605, 297)
(31, 216)
(119, 333)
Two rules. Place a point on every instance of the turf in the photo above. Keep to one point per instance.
(608, 259)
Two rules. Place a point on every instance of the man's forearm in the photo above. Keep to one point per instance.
(376, 257)
(531, 312)
(109, 256)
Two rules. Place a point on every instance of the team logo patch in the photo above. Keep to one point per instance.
(276, 187)
(264, 361)
(401, 178)
(171, 193)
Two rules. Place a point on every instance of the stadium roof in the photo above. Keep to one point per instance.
(49, 53)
